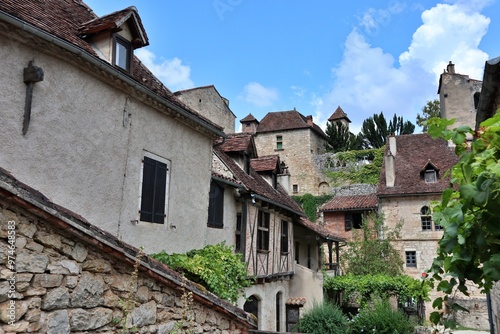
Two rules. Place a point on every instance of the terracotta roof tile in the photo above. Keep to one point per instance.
(344, 203)
(320, 230)
(297, 301)
(249, 118)
(265, 163)
(413, 152)
(339, 114)
(287, 120)
(239, 142)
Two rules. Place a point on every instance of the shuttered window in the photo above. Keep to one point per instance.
(263, 231)
(216, 205)
(154, 180)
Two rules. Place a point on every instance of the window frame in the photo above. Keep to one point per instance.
(295, 188)
(263, 224)
(120, 41)
(142, 215)
(425, 218)
(430, 176)
(238, 246)
(411, 259)
(285, 237)
(279, 143)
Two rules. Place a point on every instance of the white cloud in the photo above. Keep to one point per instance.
(258, 95)
(172, 72)
(373, 18)
(368, 80)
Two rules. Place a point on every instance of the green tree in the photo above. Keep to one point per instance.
(430, 110)
(371, 251)
(469, 212)
(339, 138)
(375, 129)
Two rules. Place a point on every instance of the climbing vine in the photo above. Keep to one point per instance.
(216, 267)
(351, 172)
(469, 212)
(363, 287)
(310, 204)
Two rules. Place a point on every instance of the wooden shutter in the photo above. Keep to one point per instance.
(216, 205)
(154, 179)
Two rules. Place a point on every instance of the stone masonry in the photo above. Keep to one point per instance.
(68, 282)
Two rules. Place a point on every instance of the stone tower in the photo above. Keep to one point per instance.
(458, 96)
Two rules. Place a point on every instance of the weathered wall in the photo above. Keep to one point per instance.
(456, 97)
(299, 147)
(424, 243)
(64, 284)
(85, 144)
(313, 288)
(495, 305)
(208, 102)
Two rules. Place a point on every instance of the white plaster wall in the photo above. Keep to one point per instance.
(267, 304)
(307, 283)
(79, 153)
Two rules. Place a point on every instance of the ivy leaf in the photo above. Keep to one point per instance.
(435, 317)
(491, 268)
(438, 303)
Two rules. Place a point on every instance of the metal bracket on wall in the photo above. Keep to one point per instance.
(32, 74)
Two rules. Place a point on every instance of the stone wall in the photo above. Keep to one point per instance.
(67, 281)
(495, 306)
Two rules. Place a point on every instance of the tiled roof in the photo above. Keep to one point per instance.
(249, 118)
(256, 184)
(413, 152)
(339, 114)
(114, 21)
(287, 120)
(297, 301)
(63, 19)
(320, 230)
(357, 202)
(239, 142)
(265, 163)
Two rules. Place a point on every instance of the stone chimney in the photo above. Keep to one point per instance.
(450, 68)
(309, 120)
(284, 177)
(390, 171)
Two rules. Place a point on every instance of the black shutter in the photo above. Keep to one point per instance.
(154, 177)
(216, 205)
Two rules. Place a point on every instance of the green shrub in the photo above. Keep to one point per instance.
(324, 318)
(216, 267)
(380, 318)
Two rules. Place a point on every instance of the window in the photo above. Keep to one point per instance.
(411, 259)
(430, 176)
(263, 231)
(425, 218)
(216, 205)
(295, 188)
(279, 296)
(122, 53)
(353, 220)
(279, 142)
(153, 191)
(238, 246)
(284, 237)
(438, 227)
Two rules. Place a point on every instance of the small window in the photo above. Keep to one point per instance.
(237, 245)
(284, 237)
(438, 227)
(279, 142)
(425, 218)
(153, 191)
(216, 206)
(122, 53)
(295, 188)
(411, 259)
(430, 176)
(263, 231)
(353, 220)
(348, 221)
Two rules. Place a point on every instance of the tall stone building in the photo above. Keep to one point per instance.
(297, 140)
(458, 96)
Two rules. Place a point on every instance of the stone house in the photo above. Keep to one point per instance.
(70, 276)
(210, 104)
(87, 124)
(339, 116)
(250, 206)
(413, 176)
(297, 140)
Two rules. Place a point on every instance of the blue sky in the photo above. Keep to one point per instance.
(365, 56)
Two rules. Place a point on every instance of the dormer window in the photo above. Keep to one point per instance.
(122, 53)
(430, 173)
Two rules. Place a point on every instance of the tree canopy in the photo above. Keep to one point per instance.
(430, 110)
(340, 139)
(375, 130)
